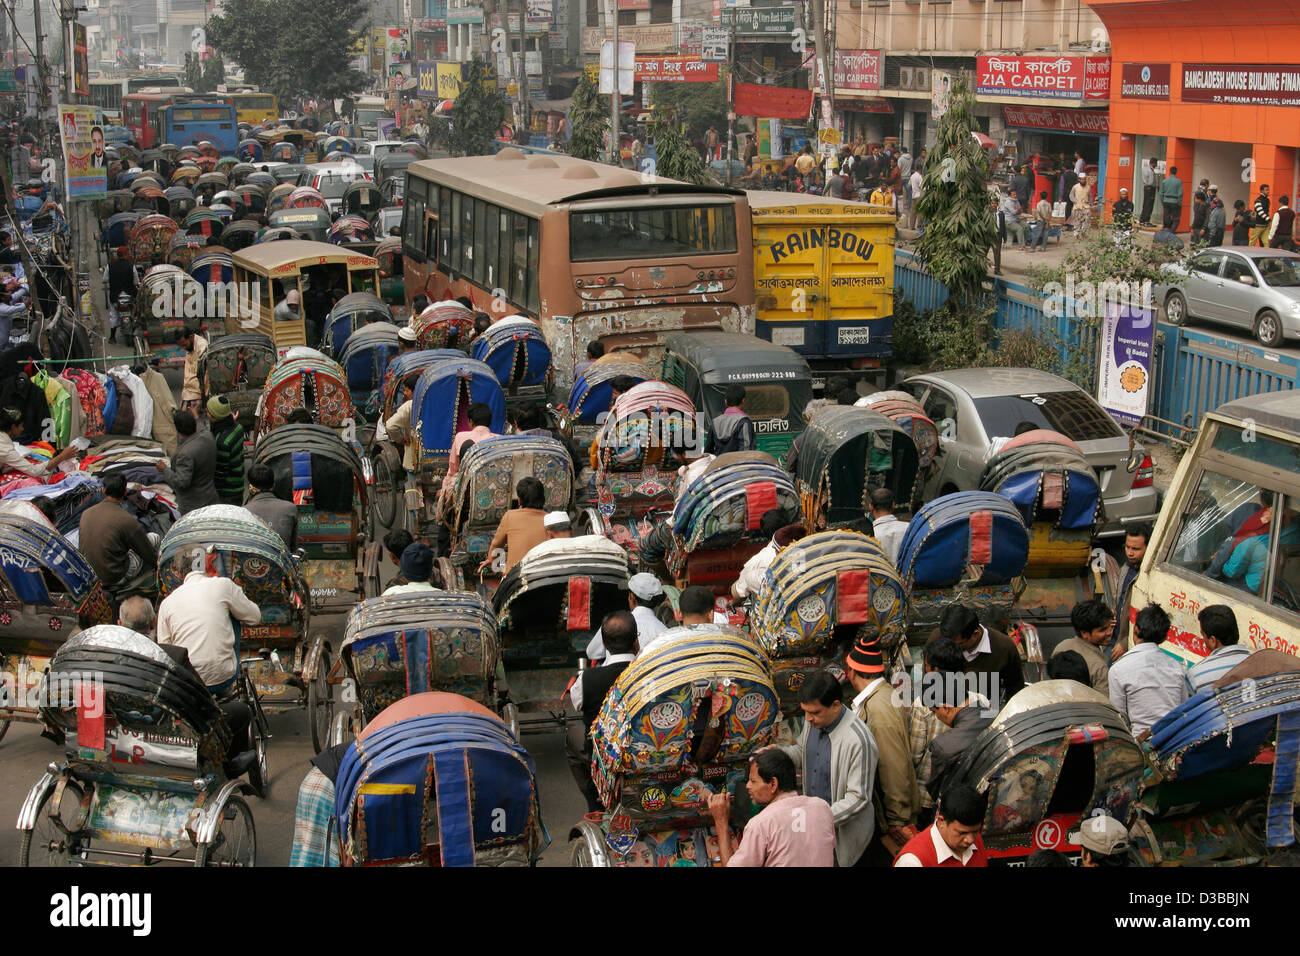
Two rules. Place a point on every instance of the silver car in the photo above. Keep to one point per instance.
(974, 406)
(1242, 286)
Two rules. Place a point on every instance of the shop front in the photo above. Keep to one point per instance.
(1212, 112)
(1042, 135)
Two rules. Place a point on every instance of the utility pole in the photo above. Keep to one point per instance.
(615, 98)
(731, 97)
(520, 64)
(823, 74)
(42, 81)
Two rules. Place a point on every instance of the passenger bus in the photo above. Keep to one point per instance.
(192, 120)
(368, 112)
(141, 113)
(171, 82)
(107, 95)
(254, 108)
(1229, 531)
(589, 251)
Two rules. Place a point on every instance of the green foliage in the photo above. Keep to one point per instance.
(677, 158)
(696, 105)
(479, 114)
(957, 337)
(959, 224)
(194, 73)
(910, 345)
(290, 47)
(589, 120)
(214, 73)
(1107, 254)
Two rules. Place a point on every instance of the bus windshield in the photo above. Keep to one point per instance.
(651, 232)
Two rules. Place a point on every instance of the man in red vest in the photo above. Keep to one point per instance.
(954, 837)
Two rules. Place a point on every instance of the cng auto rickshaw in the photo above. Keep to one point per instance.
(310, 268)
(777, 381)
(313, 222)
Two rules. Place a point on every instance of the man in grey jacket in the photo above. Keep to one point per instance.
(280, 516)
(193, 466)
(838, 756)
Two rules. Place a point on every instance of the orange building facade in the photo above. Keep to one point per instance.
(1210, 87)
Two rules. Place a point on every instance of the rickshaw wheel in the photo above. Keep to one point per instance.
(259, 775)
(320, 703)
(36, 844)
(386, 493)
(4, 726)
(235, 842)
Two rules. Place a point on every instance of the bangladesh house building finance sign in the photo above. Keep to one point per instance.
(1242, 84)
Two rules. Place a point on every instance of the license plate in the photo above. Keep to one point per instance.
(818, 383)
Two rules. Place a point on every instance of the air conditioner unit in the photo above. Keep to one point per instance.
(905, 78)
(920, 78)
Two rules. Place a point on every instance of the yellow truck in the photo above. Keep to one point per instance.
(824, 279)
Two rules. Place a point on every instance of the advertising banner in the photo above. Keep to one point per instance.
(1124, 382)
(1050, 117)
(1242, 84)
(1144, 81)
(379, 50)
(426, 76)
(449, 79)
(1052, 77)
(80, 72)
(857, 69)
(755, 99)
(674, 69)
(83, 148)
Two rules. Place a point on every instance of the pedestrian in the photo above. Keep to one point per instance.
(1241, 222)
(1080, 164)
(192, 467)
(645, 593)
(1263, 217)
(1011, 211)
(835, 185)
(121, 282)
(1121, 214)
(776, 527)
(1171, 199)
(950, 696)
(1103, 840)
(1282, 225)
(1136, 537)
(895, 791)
(987, 652)
(1149, 183)
(417, 569)
(954, 837)
(1093, 625)
(1219, 631)
(1019, 187)
(1216, 219)
(1068, 180)
(279, 515)
(885, 527)
(711, 140)
(732, 430)
(1146, 683)
(1081, 203)
(999, 233)
(587, 693)
(838, 757)
(790, 830)
(194, 345)
(12, 458)
(1042, 221)
(915, 185)
(228, 436)
(115, 544)
(1200, 211)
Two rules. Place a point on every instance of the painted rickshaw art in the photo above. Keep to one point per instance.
(150, 239)
(548, 606)
(516, 350)
(822, 594)
(592, 393)
(237, 366)
(329, 483)
(680, 724)
(438, 780)
(142, 782)
(365, 360)
(444, 325)
(47, 592)
(165, 301)
(311, 381)
(285, 662)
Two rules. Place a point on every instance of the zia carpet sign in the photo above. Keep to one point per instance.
(1124, 383)
(83, 146)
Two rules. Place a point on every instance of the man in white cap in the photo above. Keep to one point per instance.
(406, 340)
(1104, 841)
(1081, 198)
(1121, 214)
(644, 594)
(557, 525)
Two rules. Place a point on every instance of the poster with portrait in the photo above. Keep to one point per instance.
(83, 148)
(399, 48)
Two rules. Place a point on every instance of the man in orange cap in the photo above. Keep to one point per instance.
(877, 704)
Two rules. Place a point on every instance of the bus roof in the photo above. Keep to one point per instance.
(1280, 410)
(533, 184)
(291, 255)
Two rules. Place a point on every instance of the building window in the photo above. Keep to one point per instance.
(661, 11)
(627, 18)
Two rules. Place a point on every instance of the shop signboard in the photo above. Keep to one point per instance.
(857, 69)
(1046, 77)
(1144, 81)
(1096, 122)
(1241, 84)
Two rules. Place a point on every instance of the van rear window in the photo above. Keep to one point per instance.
(1245, 443)
(1073, 414)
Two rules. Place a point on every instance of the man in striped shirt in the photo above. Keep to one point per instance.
(228, 434)
(1219, 629)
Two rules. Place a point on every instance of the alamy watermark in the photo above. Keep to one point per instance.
(1088, 299)
(21, 690)
(184, 298)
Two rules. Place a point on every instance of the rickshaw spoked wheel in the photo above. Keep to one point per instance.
(386, 492)
(45, 844)
(235, 842)
(320, 703)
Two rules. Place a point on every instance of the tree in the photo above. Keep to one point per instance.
(676, 158)
(194, 73)
(697, 105)
(214, 73)
(288, 47)
(959, 224)
(479, 113)
(588, 120)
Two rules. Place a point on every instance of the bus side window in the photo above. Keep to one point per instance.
(431, 238)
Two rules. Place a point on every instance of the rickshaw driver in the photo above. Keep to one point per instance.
(199, 616)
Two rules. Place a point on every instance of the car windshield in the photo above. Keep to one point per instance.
(333, 185)
(1071, 413)
(1279, 271)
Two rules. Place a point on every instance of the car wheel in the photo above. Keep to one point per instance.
(1176, 309)
(1268, 329)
